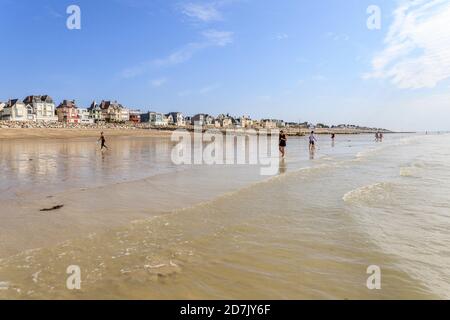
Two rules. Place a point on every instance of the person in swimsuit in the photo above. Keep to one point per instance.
(282, 143)
(103, 141)
(312, 141)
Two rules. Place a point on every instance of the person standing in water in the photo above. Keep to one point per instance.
(312, 141)
(333, 138)
(103, 141)
(282, 144)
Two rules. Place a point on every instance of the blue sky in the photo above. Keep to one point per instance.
(297, 60)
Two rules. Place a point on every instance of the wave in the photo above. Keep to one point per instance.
(413, 170)
(364, 154)
(373, 192)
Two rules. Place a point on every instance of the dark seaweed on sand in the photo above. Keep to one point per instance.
(53, 208)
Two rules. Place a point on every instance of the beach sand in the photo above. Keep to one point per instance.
(47, 133)
(67, 133)
(141, 227)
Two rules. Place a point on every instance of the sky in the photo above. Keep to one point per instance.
(296, 60)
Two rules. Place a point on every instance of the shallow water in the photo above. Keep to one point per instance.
(140, 227)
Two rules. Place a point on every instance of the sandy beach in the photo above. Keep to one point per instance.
(141, 227)
(86, 132)
(60, 133)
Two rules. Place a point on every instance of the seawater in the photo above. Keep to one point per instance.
(140, 227)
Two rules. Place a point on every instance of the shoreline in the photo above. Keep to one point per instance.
(92, 132)
(69, 133)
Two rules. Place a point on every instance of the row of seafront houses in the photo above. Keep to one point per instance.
(43, 109)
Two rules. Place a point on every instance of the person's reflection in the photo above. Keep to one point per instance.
(283, 167)
(312, 153)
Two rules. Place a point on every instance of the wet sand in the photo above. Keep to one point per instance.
(141, 228)
(45, 133)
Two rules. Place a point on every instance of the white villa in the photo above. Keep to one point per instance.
(15, 110)
(268, 124)
(112, 111)
(176, 119)
(154, 118)
(225, 120)
(125, 114)
(85, 116)
(246, 122)
(42, 108)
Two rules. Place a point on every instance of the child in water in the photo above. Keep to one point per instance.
(312, 141)
(103, 141)
(282, 143)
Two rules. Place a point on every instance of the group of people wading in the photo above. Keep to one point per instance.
(312, 142)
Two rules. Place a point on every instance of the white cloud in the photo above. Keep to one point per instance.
(210, 38)
(417, 46)
(181, 55)
(208, 89)
(281, 36)
(319, 77)
(52, 12)
(158, 82)
(338, 36)
(204, 12)
(202, 91)
(218, 38)
(184, 93)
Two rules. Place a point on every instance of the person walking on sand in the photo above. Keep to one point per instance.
(312, 141)
(282, 144)
(103, 141)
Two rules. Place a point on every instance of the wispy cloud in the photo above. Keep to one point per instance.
(158, 82)
(209, 88)
(204, 12)
(53, 13)
(338, 36)
(319, 77)
(202, 91)
(184, 93)
(218, 38)
(417, 46)
(281, 36)
(210, 38)
(181, 55)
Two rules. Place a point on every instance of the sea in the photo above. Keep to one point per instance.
(135, 225)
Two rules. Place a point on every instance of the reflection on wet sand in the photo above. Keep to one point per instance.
(30, 167)
(283, 166)
(141, 227)
(312, 153)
